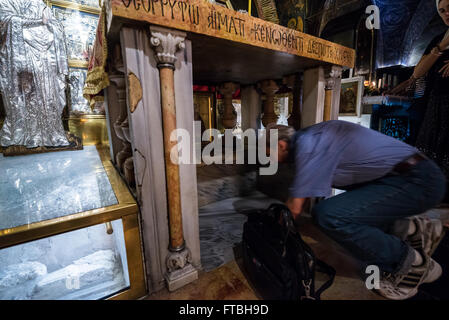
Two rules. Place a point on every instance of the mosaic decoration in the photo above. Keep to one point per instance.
(79, 30)
(396, 127)
(402, 24)
(292, 14)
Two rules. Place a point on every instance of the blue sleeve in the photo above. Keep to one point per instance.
(313, 175)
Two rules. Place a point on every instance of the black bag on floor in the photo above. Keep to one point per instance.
(278, 263)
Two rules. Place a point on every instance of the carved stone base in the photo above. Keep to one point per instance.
(75, 144)
(180, 270)
(181, 277)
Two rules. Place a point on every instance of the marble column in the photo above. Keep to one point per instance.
(333, 74)
(251, 108)
(269, 88)
(294, 82)
(313, 97)
(166, 44)
(228, 89)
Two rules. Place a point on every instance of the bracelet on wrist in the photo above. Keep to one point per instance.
(436, 51)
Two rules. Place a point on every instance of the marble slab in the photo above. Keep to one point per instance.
(219, 182)
(45, 186)
(51, 268)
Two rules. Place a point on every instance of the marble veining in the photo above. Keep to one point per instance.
(45, 186)
(221, 227)
(216, 183)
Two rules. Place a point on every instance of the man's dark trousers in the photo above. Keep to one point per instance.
(361, 218)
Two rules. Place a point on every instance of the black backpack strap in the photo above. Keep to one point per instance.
(290, 226)
(327, 269)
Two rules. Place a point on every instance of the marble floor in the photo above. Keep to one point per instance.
(223, 275)
(228, 282)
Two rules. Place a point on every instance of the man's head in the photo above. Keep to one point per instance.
(285, 136)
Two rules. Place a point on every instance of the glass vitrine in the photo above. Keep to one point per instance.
(69, 228)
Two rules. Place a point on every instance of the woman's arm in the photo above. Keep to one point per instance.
(429, 60)
(425, 64)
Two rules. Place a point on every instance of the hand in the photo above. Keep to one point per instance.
(296, 206)
(444, 71)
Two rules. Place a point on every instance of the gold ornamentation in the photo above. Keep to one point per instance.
(97, 78)
(75, 6)
(126, 210)
(134, 91)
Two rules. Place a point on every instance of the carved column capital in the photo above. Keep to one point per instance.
(166, 43)
(290, 81)
(228, 88)
(332, 74)
(269, 87)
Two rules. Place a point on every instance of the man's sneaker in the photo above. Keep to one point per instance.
(435, 272)
(420, 232)
(401, 287)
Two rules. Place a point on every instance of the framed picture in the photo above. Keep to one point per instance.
(80, 29)
(92, 6)
(77, 105)
(351, 96)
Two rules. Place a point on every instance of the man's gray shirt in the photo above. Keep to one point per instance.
(338, 154)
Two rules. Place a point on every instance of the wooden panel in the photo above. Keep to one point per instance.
(217, 60)
(201, 17)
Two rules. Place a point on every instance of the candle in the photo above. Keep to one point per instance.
(249, 7)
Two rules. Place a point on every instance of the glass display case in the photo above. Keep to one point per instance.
(69, 228)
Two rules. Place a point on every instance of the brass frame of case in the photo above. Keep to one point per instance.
(91, 128)
(126, 210)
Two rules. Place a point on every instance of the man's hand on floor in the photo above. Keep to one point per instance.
(295, 205)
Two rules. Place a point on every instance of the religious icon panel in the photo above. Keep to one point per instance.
(79, 28)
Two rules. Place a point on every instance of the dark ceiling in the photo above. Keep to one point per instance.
(407, 26)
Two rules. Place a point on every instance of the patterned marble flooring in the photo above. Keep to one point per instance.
(228, 281)
(221, 227)
(223, 276)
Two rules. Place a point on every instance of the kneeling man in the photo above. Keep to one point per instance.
(387, 182)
